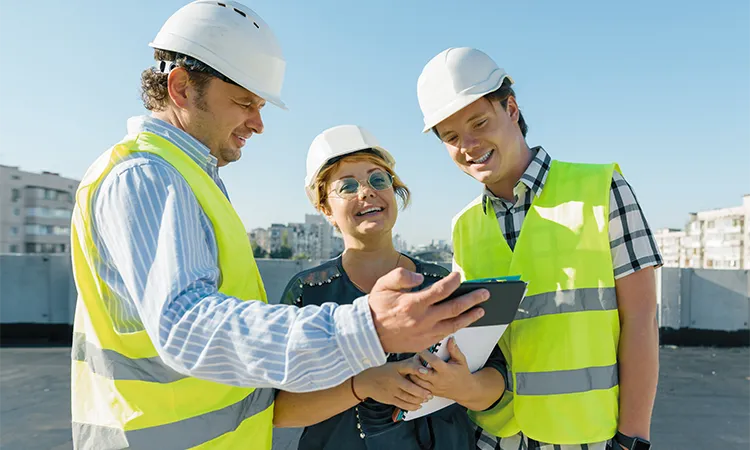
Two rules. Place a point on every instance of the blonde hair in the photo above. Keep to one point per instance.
(322, 182)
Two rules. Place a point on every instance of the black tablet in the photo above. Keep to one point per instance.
(501, 307)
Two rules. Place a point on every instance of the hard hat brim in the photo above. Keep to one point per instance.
(179, 45)
(459, 103)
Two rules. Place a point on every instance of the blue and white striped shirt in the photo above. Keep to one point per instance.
(159, 260)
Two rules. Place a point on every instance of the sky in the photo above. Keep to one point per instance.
(662, 88)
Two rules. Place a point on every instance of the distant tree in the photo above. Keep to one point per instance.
(299, 256)
(282, 253)
(258, 251)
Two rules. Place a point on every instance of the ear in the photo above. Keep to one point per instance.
(178, 83)
(512, 109)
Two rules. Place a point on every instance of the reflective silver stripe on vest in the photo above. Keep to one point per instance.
(116, 366)
(184, 434)
(574, 300)
(566, 381)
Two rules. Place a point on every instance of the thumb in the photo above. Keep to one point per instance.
(398, 280)
(455, 352)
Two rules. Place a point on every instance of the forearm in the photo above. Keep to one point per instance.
(639, 373)
(152, 233)
(306, 409)
(253, 344)
(486, 387)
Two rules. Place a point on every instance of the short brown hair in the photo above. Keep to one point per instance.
(154, 91)
(501, 95)
(323, 181)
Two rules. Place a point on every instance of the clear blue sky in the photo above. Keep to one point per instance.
(663, 88)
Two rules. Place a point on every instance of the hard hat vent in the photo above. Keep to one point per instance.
(242, 13)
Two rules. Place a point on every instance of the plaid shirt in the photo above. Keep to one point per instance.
(632, 244)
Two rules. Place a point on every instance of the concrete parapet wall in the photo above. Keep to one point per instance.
(39, 289)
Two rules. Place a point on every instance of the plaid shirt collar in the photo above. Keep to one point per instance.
(533, 178)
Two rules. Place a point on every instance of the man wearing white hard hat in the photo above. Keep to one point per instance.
(174, 345)
(583, 351)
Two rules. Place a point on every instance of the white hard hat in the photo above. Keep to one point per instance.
(230, 38)
(338, 141)
(453, 79)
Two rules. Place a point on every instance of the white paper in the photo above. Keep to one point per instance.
(476, 343)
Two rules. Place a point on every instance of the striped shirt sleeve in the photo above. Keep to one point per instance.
(149, 224)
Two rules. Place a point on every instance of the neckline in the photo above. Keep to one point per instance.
(345, 276)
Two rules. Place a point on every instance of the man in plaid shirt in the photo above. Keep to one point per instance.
(468, 102)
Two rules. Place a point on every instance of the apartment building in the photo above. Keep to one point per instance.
(713, 239)
(315, 238)
(670, 241)
(35, 211)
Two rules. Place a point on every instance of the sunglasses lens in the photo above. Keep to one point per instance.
(380, 180)
(348, 187)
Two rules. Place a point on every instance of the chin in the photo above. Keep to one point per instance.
(482, 177)
(374, 229)
(231, 155)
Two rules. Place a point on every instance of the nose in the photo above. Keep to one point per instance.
(255, 122)
(365, 191)
(469, 142)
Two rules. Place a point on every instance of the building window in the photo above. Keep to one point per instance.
(57, 213)
(13, 248)
(30, 247)
(15, 194)
(60, 231)
(34, 229)
(46, 230)
(16, 211)
(14, 231)
(36, 192)
(15, 177)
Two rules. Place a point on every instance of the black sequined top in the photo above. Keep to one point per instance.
(369, 424)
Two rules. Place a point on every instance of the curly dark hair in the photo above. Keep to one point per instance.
(154, 91)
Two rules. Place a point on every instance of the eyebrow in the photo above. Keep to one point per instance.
(352, 176)
(248, 98)
(470, 119)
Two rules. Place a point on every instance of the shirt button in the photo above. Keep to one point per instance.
(366, 362)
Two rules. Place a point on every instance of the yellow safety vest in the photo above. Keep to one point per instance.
(562, 346)
(123, 394)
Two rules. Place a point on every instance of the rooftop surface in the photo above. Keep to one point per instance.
(703, 400)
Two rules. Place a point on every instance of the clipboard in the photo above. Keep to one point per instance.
(477, 340)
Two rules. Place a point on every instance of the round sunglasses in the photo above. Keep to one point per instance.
(347, 188)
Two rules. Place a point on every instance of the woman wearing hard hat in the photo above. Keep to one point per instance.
(583, 350)
(351, 179)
